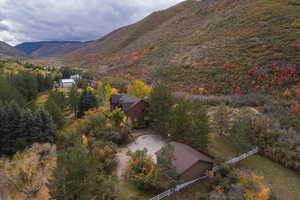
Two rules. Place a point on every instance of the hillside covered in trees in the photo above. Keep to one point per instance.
(222, 46)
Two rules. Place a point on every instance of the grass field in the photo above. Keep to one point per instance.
(128, 191)
(42, 98)
(284, 183)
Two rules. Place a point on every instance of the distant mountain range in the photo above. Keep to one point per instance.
(9, 51)
(50, 48)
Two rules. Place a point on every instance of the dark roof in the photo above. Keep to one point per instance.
(125, 101)
(114, 98)
(185, 157)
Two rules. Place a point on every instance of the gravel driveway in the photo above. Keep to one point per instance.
(152, 143)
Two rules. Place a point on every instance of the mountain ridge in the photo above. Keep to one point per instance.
(224, 46)
(7, 50)
(50, 48)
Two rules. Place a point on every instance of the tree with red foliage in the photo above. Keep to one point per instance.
(253, 70)
(295, 108)
(226, 66)
(257, 87)
(237, 90)
(297, 47)
(297, 92)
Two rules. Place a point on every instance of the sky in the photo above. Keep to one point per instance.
(78, 20)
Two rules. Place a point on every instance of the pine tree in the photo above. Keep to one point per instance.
(10, 116)
(76, 176)
(9, 93)
(45, 128)
(199, 127)
(242, 133)
(180, 119)
(26, 83)
(161, 101)
(74, 97)
(20, 128)
(55, 112)
(87, 101)
(58, 98)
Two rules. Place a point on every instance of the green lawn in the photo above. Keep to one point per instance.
(128, 191)
(284, 183)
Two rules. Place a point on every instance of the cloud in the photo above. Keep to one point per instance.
(39, 20)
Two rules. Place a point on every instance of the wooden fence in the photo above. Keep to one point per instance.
(181, 186)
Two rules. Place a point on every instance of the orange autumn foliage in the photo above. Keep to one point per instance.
(287, 93)
(201, 91)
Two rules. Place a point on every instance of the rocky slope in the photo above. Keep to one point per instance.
(8, 51)
(50, 48)
(223, 46)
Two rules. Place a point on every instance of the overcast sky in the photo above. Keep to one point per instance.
(42, 20)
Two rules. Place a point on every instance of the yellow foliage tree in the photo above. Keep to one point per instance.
(255, 189)
(139, 89)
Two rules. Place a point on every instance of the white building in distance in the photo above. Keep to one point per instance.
(67, 83)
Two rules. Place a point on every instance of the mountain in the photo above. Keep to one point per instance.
(8, 51)
(224, 46)
(50, 48)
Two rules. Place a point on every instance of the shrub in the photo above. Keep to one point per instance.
(28, 172)
(144, 173)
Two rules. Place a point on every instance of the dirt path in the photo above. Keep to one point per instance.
(123, 159)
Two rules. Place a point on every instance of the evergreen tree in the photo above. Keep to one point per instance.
(45, 82)
(161, 101)
(45, 128)
(9, 93)
(242, 133)
(10, 116)
(189, 123)
(55, 112)
(58, 98)
(73, 100)
(87, 101)
(199, 129)
(77, 177)
(21, 128)
(26, 83)
(180, 119)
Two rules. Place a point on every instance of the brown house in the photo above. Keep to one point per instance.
(134, 108)
(189, 163)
